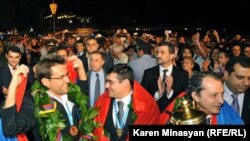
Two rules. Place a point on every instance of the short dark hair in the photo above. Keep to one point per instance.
(171, 47)
(98, 52)
(195, 83)
(13, 49)
(123, 72)
(45, 64)
(90, 38)
(62, 48)
(241, 60)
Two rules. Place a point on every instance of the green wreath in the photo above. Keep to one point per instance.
(52, 122)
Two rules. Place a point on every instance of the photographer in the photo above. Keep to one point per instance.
(122, 37)
(212, 38)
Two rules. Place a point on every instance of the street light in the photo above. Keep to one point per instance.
(53, 8)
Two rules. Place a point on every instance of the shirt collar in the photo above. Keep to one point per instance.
(101, 73)
(127, 99)
(227, 92)
(169, 68)
(63, 99)
(12, 67)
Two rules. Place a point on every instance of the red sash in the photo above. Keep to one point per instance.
(19, 99)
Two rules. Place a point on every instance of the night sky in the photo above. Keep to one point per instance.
(236, 15)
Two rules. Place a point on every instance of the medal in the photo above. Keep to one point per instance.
(73, 130)
(119, 132)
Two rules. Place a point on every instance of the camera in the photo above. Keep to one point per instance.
(211, 31)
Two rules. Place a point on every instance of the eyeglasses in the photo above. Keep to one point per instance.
(60, 77)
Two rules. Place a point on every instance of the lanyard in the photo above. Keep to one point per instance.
(120, 124)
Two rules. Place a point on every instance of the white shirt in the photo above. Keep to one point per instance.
(126, 100)
(64, 101)
(79, 53)
(169, 72)
(229, 99)
(11, 69)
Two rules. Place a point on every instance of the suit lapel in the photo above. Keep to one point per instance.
(246, 107)
(8, 76)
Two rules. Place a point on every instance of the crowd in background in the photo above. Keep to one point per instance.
(148, 55)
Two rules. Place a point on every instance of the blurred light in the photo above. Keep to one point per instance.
(198, 29)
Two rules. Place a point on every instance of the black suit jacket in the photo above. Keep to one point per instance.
(84, 60)
(109, 63)
(75, 116)
(21, 122)
(110, 126)
(5, 78)
(246, 107)
(150, 78)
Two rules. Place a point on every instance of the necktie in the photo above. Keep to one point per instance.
(120, 112)
(235, 104)
(208, 120)
(163, 80)
(97, 87)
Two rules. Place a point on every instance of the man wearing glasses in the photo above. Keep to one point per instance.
(52, 73)
(124, 103)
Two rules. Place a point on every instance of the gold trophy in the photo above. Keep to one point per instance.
(187, 114)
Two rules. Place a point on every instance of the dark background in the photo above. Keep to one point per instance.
(178, 13)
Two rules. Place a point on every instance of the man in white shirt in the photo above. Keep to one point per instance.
(175, 79)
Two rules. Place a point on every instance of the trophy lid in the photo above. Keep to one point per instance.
(187, 115)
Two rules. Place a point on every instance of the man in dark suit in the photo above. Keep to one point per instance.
(13, 56)
(81, 54)
(92, 45)
(124, 103)
(237, 86)
(95, 74)
(14, 121)
(165, 81)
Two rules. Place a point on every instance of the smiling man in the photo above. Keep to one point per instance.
(206, 89)
(13, 56)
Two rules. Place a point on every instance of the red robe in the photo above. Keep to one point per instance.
(144, 106)
(165, 117)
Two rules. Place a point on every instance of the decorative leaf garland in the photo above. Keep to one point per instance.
(52, 122)
(133, 115)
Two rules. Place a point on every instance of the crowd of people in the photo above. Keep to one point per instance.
(48, 83)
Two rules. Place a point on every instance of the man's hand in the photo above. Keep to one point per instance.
(5, 90)
(169, 81)
(77, 63)
(16, 79)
